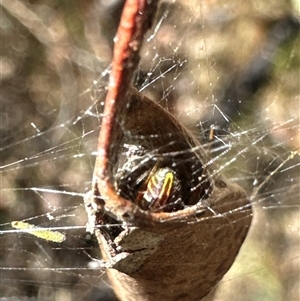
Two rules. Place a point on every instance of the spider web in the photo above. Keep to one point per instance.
(225, 69)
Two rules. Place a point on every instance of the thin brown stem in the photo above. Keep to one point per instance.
(135, 21)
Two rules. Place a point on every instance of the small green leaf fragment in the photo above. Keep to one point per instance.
(48, 235)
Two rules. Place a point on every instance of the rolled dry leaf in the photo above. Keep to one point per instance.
(178, 251)
(177, 255)
(181, 261)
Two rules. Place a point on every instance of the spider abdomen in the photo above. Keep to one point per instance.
(163, 189)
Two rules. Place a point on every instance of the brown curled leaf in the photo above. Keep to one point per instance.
(177, 255)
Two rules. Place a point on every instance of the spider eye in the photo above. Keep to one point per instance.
(162, 189)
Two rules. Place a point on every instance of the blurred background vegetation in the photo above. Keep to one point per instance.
(230, 64)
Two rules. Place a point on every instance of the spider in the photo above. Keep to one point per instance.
(161, 190)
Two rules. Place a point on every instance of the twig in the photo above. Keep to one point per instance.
(135, 21)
